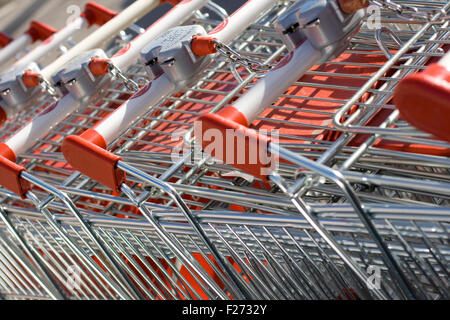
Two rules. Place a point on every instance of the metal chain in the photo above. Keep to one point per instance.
(251, 65)
(47, 87)
(116, 72)
(409, 12)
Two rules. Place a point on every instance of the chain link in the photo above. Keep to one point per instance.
(409, 12)
(116, 72)
(47, 87)
(251, 65)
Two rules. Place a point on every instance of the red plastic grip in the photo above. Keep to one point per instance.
(87, 153)
(10, 172)
(40, 31)
(97, 14)
(423, 100)
(4, 39)
(236, 138)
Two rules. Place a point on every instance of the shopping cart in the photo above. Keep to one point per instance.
(367, 162)
(431, 93)
(93, 15)
(20, 83)
(26, 85)
(36, 32)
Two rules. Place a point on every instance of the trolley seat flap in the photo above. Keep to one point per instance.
(97, 14)
(4, 39)
(87, 153)
(40, 31)
(423, 98)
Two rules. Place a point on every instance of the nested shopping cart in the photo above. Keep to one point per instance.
(356, 207)
(53, 42)
(31, 78)
(37, 32)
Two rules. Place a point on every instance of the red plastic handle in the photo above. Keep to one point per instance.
(10, 172)
(423, 100)
(4, 39)
(233, 144)
(40, 31)
(87, 153)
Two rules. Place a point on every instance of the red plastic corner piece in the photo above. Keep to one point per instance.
(172, 2)
(3, 116)
(203, 45)
(87, 153)
(4, 40)
(10, 172)
(233, 144)
(97, 14)
(423, 100)
(40, 31)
